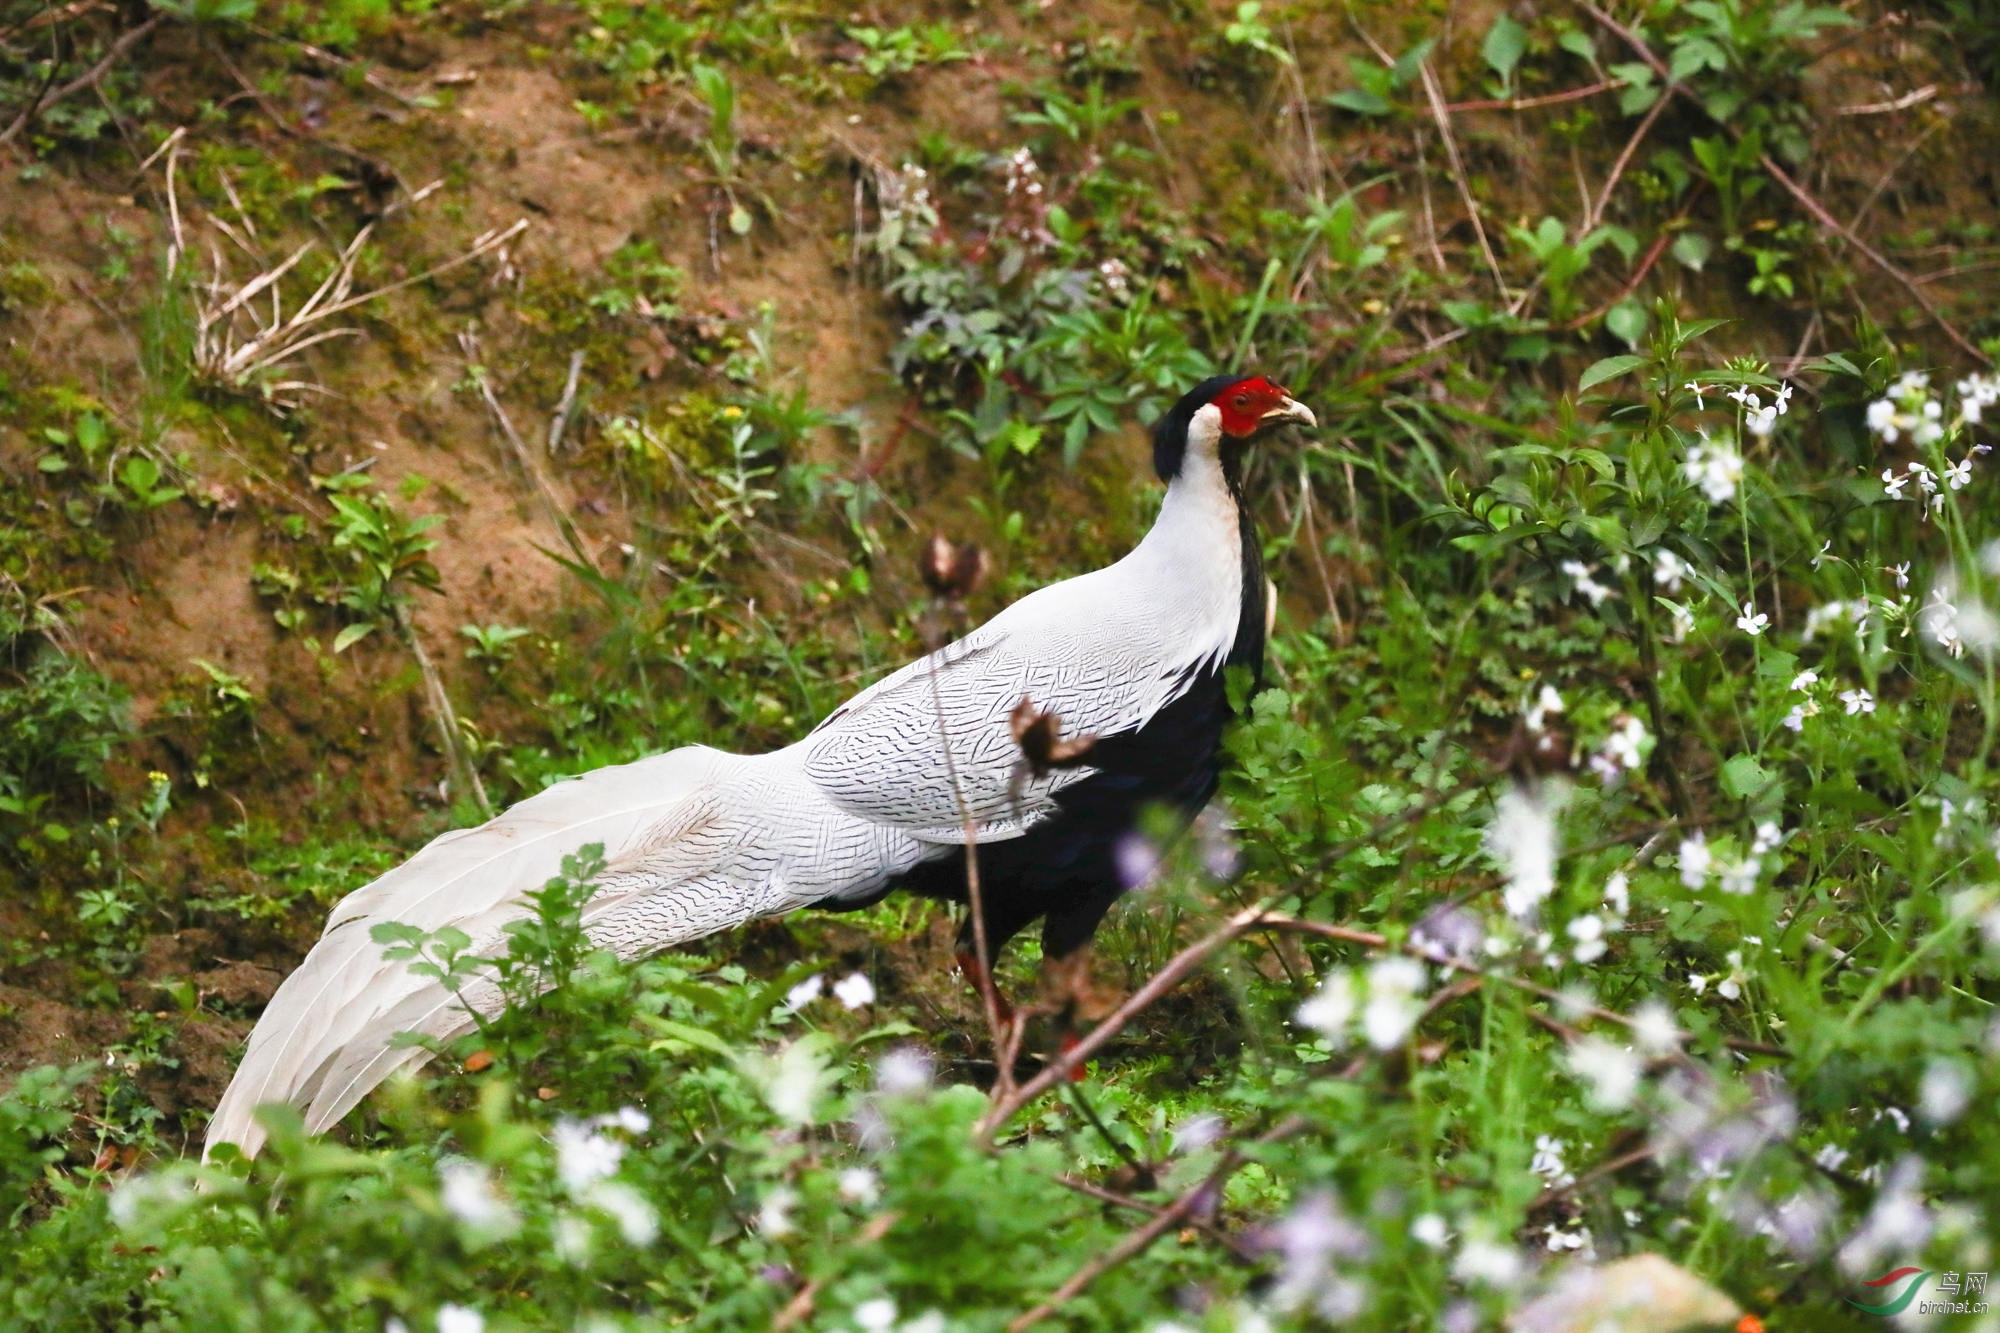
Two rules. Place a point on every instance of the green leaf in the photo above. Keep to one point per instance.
(1360, 101)
(671, 1031)
(1610, 368)
(1505, 43)
(1743, 777)
(352, 635)
(1628, 321)
(1692, 249)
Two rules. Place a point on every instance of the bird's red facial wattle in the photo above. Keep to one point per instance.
(1251, 404)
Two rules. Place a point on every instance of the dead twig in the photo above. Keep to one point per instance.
(1596, 213)
(1542, 99)
(560, 421)
(464, 773)
(1443, 118)
(1874, 256)
(544, 490)
(1915, 97)
(1168, 1218)
(46, 98)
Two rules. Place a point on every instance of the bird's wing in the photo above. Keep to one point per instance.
(909, 749)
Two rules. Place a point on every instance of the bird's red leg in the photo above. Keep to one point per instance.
(969, 968)
(1078, 1002)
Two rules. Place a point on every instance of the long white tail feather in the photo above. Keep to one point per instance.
(695, 841)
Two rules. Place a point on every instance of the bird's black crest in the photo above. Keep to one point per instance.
(1170, 431)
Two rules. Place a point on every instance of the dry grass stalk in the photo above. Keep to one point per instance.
(243, 336)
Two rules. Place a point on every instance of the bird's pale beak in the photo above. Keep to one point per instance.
(1291, 410)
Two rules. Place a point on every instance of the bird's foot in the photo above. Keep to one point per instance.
(1072, 994)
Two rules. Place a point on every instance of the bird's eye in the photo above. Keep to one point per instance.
(1243, 400)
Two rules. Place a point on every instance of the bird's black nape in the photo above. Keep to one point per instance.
(1170, 431)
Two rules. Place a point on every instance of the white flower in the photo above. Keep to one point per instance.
(1741, 876)
(465, 1188)
(792, 1081)
(1332, 1007)
(630, 1119)
(1669, 569)
(1769, 838)
(1581, 577)
(1819, 556)
(1805, 680)
(135, 1200)
(1882, 419)
(1198, 1132)
(1588, 932)
(1394, 984)
(860, 1185)
(1622, 749)
(1429, 1230)
(1731, 986)
(637, 1222)
(1975, 394)
(1698, 983)
(1610, 1072)
(1821, 616)
(774, 1212)
(1830, 1156)
(1752, 622)
(1894, 484)
(1546, 702)
(1857, 701)
(1548, 1160)
(460, 1319)
(876, 1316)
(1796, 719)
(855, 991)
(1490, 1262)
(803, 994)
(1900, 1223)
(1945, 1091)
(1959, 474)
(1694, 388)
(583, 1155)
(1695, 859)
(1683, 625)
(1761, 421)
(1716, 468)
(1654, 1028)
(1560, 1240)
(1618, 894)
(1522, 840)
(903, 1072)
(1784, 399)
